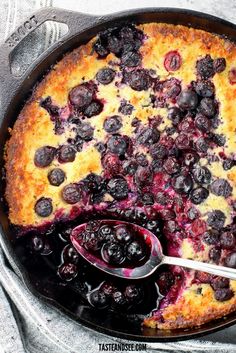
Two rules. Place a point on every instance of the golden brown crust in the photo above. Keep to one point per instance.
(33, 129)
(195, 307)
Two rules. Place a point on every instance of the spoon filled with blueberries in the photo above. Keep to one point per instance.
(127, 250)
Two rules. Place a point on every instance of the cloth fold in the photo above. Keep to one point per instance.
(27, 324)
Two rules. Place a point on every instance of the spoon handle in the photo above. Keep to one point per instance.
(201, 266)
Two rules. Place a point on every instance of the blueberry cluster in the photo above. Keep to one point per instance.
(53, 249)
(220, 285)
(107, 295)
(118, 246)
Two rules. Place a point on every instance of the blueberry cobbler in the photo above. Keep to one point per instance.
(137, 125)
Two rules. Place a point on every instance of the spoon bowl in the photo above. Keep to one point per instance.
(138, 272)
(155, 259)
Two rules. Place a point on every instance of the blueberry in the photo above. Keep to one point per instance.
(93, 226)
(78, 143)
(71, 193)
(112, 124)
(214, 255)
(93, 183)
(230, 260)
(44, 156)
(101, 147)
(85, 131)
(227, 240)
(201, 175)
(66, 154)
(171, 226)
(172, 61)
(148, 136)
(219, 139)
(134, 294)
(70, 255)
(140, 215)
(91, 241)
(81, 96)
(219, 282)
(106, 233)
(171, 165)
(143, 176)
(37, 243)
(157, 165)
(114, 44)
(126, 108)
(207, 107)
(122, 234)
(98, 299)
(192, 213)
(118, 188)
(164, 281)
(228, 164)
(170, 130)
(167, 215)
(186, 125)
(135, 251)
(175, 115)
(113, 253)
(47, 104)
(182, 184)
(202, 123)
(216, 219)
(94, 108)
(183, 141)
(100, 48)
(219, 65)
(202, 144)
(139, 80)
(129, 33)
(190, 158)
(147, 199)
(130, 167)
(153, 226)
(205, 67)
(117, 144)
(141, 159)
(131, 59)
(105, 75)
(108, 288)
(221, 187)
(187, 100)
(205, 88)
(223, 294)
(111, 163)
(43, 207)
(67, 271)
(158, 151)
(211, 237)
(119, 299)
(56, 176)
(199, 195)
(232, 76)
(162, 198)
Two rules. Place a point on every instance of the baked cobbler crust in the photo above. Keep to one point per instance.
(33, 129)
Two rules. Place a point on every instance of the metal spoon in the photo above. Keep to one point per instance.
(155, 260)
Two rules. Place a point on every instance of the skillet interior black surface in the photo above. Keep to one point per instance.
(14, 92)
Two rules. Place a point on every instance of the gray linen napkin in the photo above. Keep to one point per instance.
(28, 325)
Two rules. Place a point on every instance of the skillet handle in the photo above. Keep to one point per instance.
(76, 22)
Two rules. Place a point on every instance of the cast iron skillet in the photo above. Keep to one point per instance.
(15, 90)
